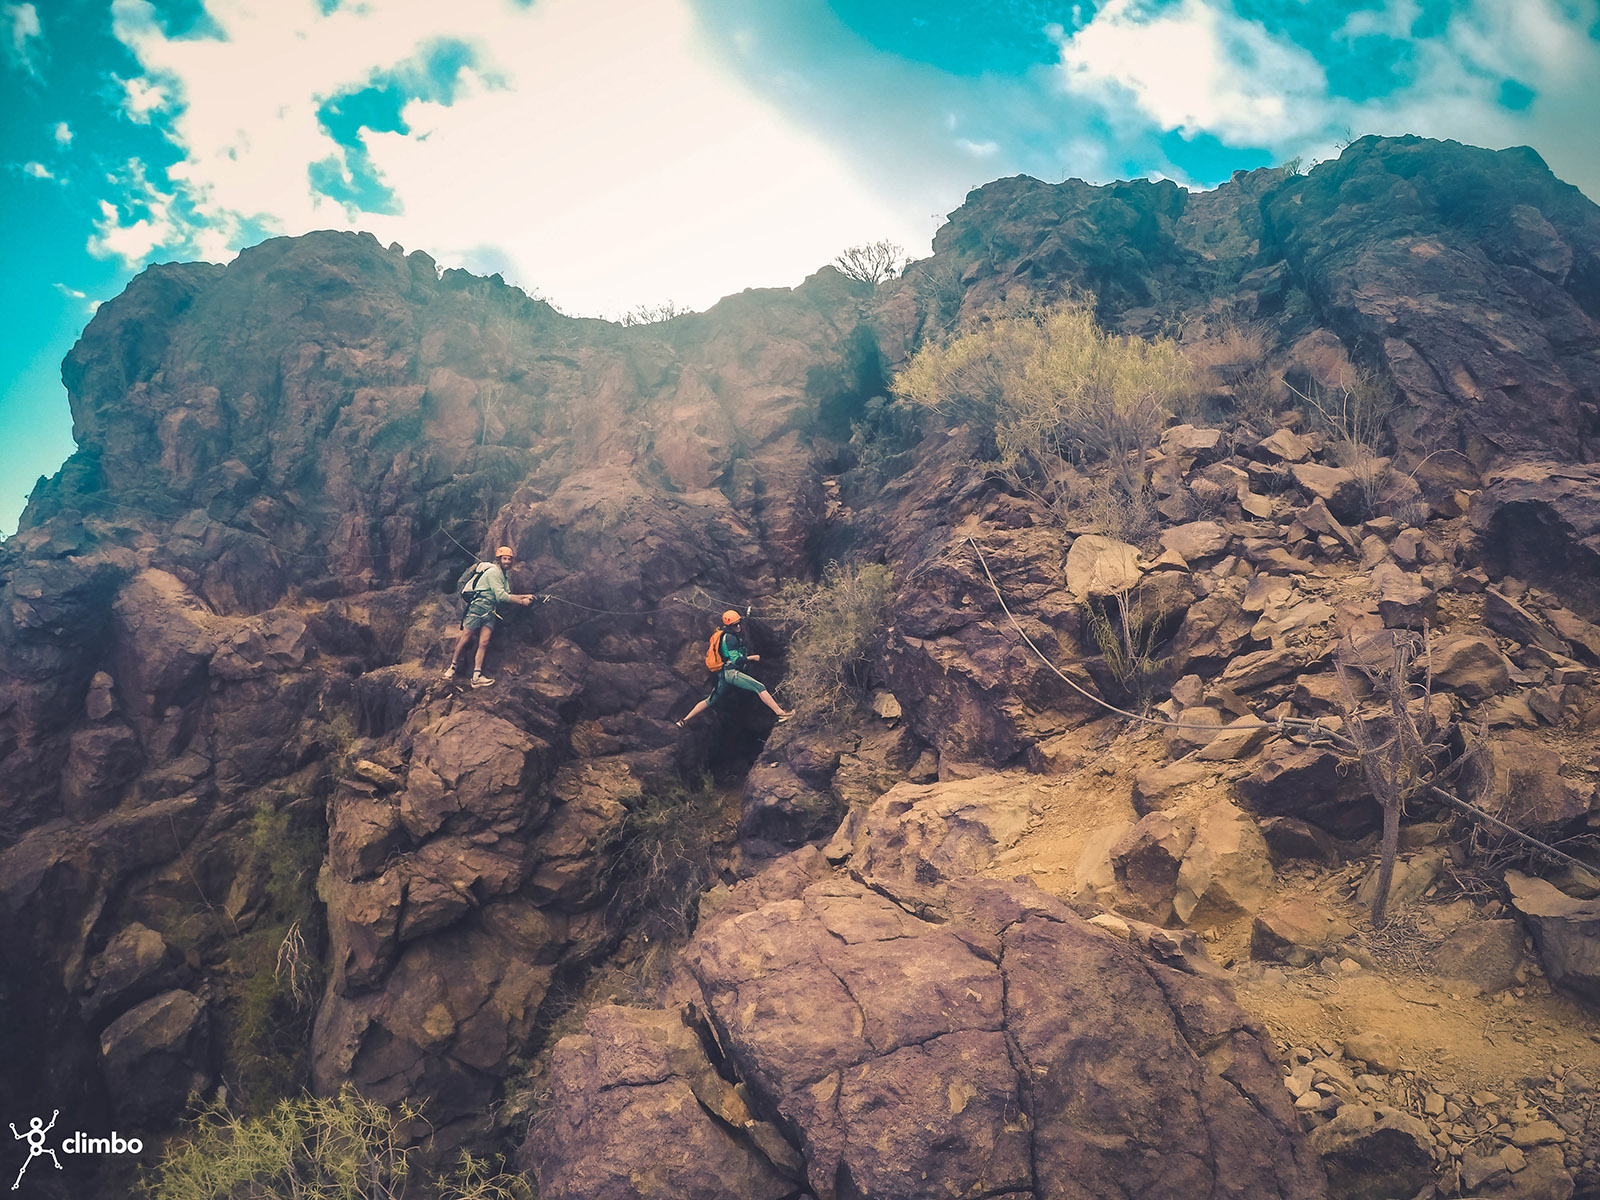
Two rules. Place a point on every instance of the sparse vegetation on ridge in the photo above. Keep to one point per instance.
(872, 262)
(1057, 391)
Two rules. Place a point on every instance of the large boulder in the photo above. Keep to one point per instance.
(136, 964)
(1373, 1155)
(1481, 956)
(1517, 777)
(924, 835)
(155, 1054)
(1226, 872)
(1056, 1057)
(637, 1112)
(1312, 784)
(1297, 932)
(1099, 566)
(1566, 931)
(1470, 665)
(1540, 521)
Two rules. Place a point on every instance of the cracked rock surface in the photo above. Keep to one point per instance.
(973, 1039)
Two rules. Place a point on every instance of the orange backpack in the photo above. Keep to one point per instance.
(714, 660)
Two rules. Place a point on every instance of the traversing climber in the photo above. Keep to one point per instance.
(483, 588)
(726, 653)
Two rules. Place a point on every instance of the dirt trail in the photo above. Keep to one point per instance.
(1494, 1060)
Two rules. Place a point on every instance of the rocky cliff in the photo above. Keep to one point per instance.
(222, 732)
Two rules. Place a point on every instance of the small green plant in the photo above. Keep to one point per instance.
(274, 974)
(840, 621)
(344, 1147)
(1128, 636)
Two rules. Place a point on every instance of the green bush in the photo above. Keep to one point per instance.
(1057, 390)
(274, 976)
(840, 623)
(341, 1148)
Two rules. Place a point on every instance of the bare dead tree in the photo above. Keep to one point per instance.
(1397, 747)
(871, 263)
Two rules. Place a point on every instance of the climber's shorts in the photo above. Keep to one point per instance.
(479, 613)
(728, 678)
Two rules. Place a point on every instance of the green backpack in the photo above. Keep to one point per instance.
(467, 585)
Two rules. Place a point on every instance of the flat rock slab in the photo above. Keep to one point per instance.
(1101, 566)
(1196, 540)
(1005, 1045)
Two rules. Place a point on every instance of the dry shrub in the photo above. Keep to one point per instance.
(939, 291)
(1236, 363)
(663, 857)
(344, 1147)
(872, 262)
(1354, 410)
(1128, 632)
(840, 621)
(1056, 390)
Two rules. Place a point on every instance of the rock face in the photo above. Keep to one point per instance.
(975, 1038)
(222, 726)
(637, 1110)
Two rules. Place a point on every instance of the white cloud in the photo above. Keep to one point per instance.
(133, 242)
(130, 243)
(23, 37)
(37, 170)
(1394, 19)
(595, 147)
(74, 294)
(63, 134)
(1198, 67)
(141, 99)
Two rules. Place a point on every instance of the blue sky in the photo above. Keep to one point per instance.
(607, 154)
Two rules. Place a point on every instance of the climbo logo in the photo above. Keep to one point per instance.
(75, 1143)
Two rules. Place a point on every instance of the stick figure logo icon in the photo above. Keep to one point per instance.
(36, 1147)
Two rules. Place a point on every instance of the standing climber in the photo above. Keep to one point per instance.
(725, 654)
(483, 588)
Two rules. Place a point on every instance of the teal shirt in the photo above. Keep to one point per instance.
(493, 581)
(733, 651)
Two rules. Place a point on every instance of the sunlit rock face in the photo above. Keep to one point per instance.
(220, 717)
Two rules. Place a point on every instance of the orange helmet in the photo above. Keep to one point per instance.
(730, 617)
(505, 552)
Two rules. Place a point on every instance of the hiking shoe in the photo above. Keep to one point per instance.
(479, 680)
(448, 674)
